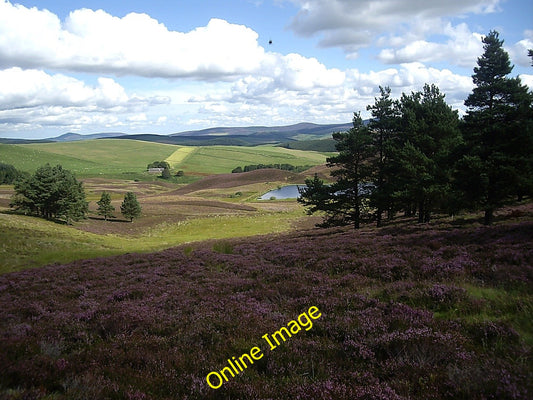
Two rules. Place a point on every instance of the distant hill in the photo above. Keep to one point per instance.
(223, 136)
(66, 137)
(72, 137)
(23, 141)
(247, 136)
(289, 130)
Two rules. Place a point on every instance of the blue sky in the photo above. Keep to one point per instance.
(165, 67)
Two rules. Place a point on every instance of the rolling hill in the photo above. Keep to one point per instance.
(231, 136)
(127, 159)
(245, 136)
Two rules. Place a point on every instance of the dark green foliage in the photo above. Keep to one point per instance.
(316, 196)
(283, 167)
(496, 165)
(158, 164)
(9, 174)
(180, 173)
(423, 159)
(344, 201)
(105, 207)
(130, 207)
(51, 192)
(383, 127)
(166, 174)
(428, 136)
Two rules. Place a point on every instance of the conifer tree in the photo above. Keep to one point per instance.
(51, 192)
(316, 196)
(498, 134)
(428, 138)
(105, 207)
(383, 126)
(344, 201)
(130, 207)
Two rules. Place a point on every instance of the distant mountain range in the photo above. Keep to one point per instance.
(239, 136)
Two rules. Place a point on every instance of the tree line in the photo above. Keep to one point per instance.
(55, 193)
(418, 156)
(283, 167)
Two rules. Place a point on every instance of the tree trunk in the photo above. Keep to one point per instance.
(420, 212)
(489, 216)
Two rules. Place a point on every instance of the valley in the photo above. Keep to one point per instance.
(208, 202)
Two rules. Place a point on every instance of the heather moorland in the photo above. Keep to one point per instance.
(434, 311)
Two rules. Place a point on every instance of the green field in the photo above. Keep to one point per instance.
(109, 157)
(29, 242)
(122, 158)
(222, 159)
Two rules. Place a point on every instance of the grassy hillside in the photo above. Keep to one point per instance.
(404, 312)
(28, 242)
(106, 157)
(223, 159)
(129, 158)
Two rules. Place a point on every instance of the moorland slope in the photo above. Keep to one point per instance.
(436, 311)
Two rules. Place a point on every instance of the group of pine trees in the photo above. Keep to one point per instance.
(416, 155)
(55, 193)
(9, 174)
(130, 207)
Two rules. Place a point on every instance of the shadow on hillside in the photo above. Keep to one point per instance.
(108, 219)
(55, 220)
(61, 221)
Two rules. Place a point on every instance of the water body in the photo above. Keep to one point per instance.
(286, 192)
(291, 192)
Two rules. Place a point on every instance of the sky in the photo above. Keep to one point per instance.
(171, 66)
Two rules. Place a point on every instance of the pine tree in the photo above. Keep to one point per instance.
(344, 201)
(429, 136)
(130, 207)
(498, 134)
(316, 196)
(383, 126)
(105, 207)
(51, 192)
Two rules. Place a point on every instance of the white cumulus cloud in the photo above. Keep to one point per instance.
(462, 46)
(352, 24)
(519, 52)
(36, 97)
(135, 44)
(259, 99)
